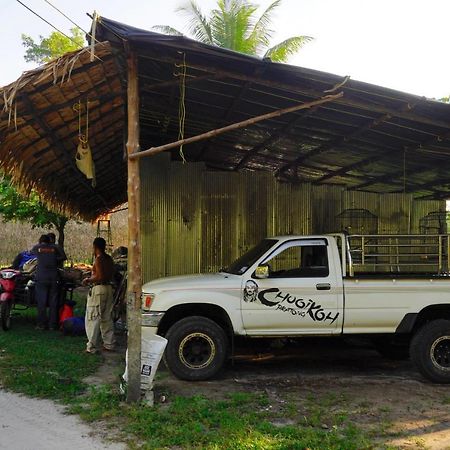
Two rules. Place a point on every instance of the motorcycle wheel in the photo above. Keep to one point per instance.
(5, 312)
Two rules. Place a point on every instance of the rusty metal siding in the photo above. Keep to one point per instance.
(253, 209)
(290, 209)
(196, 220)
(154, 187)
(183, 235)
(219, 219)
(395, 214)
(420, 208)
(326, 205)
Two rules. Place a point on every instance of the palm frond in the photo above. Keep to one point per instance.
(166, 29)
(262, 32)
(198, 23)
(230, 24)
(282, 51)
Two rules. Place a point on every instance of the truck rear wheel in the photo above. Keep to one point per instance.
(197, 348)
(430, 351)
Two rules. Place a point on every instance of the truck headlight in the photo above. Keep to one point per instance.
(147, 300)
(152, 319)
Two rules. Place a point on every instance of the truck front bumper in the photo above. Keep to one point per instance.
(152, 319)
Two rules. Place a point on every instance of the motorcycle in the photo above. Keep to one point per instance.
(16, 287)
(8, 283)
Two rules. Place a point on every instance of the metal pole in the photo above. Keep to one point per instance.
(134, 241)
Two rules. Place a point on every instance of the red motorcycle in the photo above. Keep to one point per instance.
(8, 284)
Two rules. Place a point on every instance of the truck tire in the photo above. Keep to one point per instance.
(5, 312)
(197, 348)
(430, 351)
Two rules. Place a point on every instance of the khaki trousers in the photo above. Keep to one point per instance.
(98, 319)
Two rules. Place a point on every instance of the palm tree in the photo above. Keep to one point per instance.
(233, 25)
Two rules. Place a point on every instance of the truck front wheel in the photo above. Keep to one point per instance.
(197, 348)
(430, 351)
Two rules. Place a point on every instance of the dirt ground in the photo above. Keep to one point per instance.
(388, 398)
(28, 423)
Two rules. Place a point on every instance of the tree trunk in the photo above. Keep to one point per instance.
(60, 226)
(134, 240)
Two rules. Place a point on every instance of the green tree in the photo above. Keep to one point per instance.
(233, 24)
(53, 46)
(16, 208)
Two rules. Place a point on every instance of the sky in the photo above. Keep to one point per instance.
(400, 44)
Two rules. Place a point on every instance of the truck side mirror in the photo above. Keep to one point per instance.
(262, 271)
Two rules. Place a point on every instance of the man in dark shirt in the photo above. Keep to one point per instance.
(52, 238)
(99, 303)
(47, 277)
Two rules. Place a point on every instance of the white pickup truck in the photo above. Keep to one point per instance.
(298, 286)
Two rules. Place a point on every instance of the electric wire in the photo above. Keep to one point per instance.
(48, 23)
(70, 20)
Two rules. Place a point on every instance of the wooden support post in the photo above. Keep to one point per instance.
(134, 241)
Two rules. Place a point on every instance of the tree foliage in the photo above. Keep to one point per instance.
(234, 24)
(16, 208)
(52, 46)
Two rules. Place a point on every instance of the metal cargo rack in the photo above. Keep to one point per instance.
(398, 253)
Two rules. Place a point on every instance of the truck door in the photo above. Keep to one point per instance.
(301, 294)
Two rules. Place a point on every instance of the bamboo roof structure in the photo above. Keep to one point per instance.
(39, 129)
(367, 138)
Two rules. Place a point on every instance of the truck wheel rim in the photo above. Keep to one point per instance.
(440, 353)
(197, 350)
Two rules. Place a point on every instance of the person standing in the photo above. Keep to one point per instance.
(52, 237)
(46, 288)
(99, 303)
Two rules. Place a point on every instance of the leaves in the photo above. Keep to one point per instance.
(51, 47)
(282, 51)
(198, 24)
(15, 207)
(232, 24)
(165, 29)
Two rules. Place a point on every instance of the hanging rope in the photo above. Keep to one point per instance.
(182, 105)
(83, 157)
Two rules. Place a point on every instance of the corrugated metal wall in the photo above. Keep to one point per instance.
(194, 220)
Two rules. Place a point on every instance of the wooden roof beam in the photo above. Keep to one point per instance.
(336, 143)
(236, 99)
(298, 88)
(235, 126)
(189, 80)
(273, 138)
(56, 142)
(385, 178)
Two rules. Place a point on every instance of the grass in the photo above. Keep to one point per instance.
(241, 421)
(43, 363)
(48, 365)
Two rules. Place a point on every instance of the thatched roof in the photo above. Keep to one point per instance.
(372, 139)
(39, 132)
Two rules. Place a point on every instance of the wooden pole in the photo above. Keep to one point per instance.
(134, 241)
(233, 126)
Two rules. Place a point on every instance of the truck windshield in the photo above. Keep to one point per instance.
(248, 259)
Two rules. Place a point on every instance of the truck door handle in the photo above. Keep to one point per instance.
(323, 286)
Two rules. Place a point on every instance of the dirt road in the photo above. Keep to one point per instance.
(27, 423)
